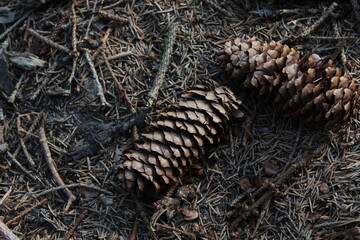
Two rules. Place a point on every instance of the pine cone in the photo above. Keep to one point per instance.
(177, 138)
(319, 94)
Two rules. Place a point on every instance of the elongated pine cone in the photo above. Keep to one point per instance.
(177, 138)
(302, 86)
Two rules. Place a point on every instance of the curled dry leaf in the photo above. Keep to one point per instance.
(245, 184)
(189, 213)
(324, 188)
(270, 169)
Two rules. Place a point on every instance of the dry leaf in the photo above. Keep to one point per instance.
(270, 169)
(324, 188)
(245, 184)
(189, 213)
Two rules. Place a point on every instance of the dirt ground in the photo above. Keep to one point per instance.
(80, 100)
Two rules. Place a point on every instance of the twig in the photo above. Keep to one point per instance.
(356, 8)
(49, 42)
(57, 30)
(188, 234)
(119, 85)
(20, 165)
(114, 57)
(100, 91)
(12, 27)
(26, 211)
(317, 23)
(75, 52)
(112, 17)
(333, 38)
(134, 231)
(271, 186)
(52, 166)
(217, 7)
(74, 39)
(7, 233)
(27, 154)
(91, 20)
(78, 221)
(159, 80)
(73, 185)
(11, 98)
(342, 50)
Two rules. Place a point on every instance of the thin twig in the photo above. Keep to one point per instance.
(342, 50)
(75, 52)
(26, 211)
(12, 97)
(74, 38)
(114, 57)
(317, 23)
(12, 27)
(78, 221)
(119, 85)
(48, 41)
(26, 152)
(159, 80)
(134, 231)
(52, 166)
(217, 7)
(20, 166)
(113, 17)
(356, 8)
(188, 234)
(6, 232)
(73, 185)
(100, 91)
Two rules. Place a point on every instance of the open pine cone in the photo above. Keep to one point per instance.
(177, 138)
(302, 86)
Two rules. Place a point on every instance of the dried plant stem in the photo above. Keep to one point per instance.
(134, 231)
(74, 38)
(271, 189)
(113, 17)
(159, 80)
(356, 7)
(26, 211)
(119, 85)
(188, 234)
(52, 166)
(78, 221)
(217, 7)
(20, 165)
(342, 50)
(26, 152)
(12, 97)
(114, 57)
(73, 185)
(317, 23)
(12, 27)
(49, 42)
(6, 232)
(100, 91)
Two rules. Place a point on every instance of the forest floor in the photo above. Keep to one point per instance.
(70, 109)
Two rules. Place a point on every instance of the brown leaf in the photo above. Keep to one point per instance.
(324, 188)
(245, 184)
(270, 169)
(189, 213)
